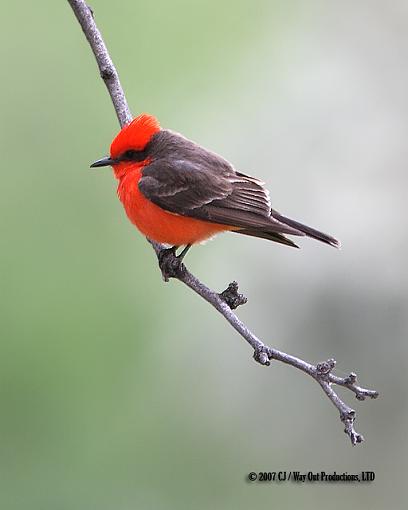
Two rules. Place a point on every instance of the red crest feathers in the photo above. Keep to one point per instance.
(135, 135)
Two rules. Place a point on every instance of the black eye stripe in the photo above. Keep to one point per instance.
(130, 154)
(136, 155)
(133, 155)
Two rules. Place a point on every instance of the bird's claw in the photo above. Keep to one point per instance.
(170, 264)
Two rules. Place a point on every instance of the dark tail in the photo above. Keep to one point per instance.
(271, 236)
(310, 232)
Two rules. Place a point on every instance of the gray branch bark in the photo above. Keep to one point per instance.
(223, 302)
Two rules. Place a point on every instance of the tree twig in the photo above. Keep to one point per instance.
(225, 301)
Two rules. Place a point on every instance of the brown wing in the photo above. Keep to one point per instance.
(208, 188)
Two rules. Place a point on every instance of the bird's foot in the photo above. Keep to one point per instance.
(170, 264)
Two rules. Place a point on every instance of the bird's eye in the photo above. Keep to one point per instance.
(129, 154)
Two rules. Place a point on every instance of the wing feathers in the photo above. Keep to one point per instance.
(186, 179)
(278, 238)
(199, 192)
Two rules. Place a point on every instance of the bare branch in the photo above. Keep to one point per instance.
(229, 299)
(107, 70)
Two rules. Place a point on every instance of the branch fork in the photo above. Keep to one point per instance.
(224, 302)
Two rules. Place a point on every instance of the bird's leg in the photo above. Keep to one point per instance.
(171, 265)
(183, 253)
(168, 262)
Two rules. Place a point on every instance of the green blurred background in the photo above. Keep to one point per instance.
(121, 392)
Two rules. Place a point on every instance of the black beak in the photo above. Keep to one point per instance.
(106, 161)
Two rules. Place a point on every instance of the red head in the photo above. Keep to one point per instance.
(128, 146)
(135, 135)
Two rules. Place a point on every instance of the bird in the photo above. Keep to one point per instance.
(178, 193)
